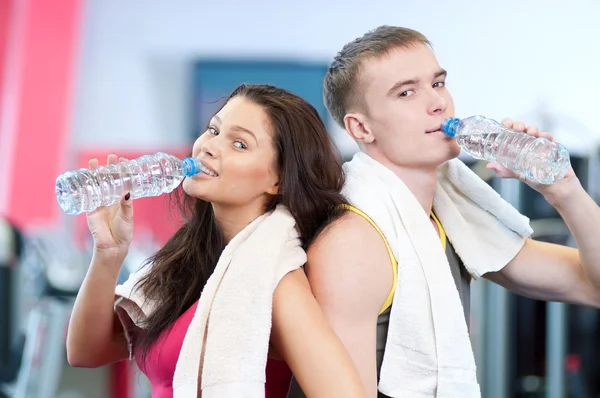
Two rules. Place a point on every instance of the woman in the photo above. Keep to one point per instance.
(266, 149)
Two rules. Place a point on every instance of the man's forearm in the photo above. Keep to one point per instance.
(582, 216)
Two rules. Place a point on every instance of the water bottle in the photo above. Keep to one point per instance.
(539, 159)
(85, 190)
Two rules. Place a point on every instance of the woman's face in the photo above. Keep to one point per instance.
(239, 156)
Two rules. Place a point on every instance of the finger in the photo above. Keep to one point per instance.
(112, 158)
(93, 163)
(508, 122)
(519, 127)
(122, 159)
(547, 135)
(495, 167)
(127, 207)
(521, 177)
(506, 174)
(501, 171)
(532, 130)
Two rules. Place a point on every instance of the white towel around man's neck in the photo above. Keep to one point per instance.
(229, 333)
(428, 351)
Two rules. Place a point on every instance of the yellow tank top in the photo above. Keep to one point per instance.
(390, 297)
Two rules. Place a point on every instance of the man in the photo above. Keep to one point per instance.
(388, 91)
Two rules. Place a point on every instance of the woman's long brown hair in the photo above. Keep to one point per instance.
(311, 179)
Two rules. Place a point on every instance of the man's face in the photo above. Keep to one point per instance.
(405, 99)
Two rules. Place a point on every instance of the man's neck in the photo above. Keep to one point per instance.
(421, 182)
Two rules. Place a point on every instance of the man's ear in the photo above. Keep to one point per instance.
(357, 127)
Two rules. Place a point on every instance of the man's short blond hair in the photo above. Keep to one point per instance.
(341, 86)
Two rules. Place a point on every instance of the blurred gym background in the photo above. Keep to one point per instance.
(82, 78)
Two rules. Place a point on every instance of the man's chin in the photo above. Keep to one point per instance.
(451, 154)
(454, 151)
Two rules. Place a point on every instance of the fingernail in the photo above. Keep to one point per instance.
(128, 196)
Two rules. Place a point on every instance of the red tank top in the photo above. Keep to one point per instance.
(162, 357)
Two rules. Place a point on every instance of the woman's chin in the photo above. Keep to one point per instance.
(196, 192)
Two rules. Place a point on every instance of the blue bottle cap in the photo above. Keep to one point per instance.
(191, 166)
(450, 126)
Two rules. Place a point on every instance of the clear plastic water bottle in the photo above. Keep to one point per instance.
(539, 159)
(85, 190)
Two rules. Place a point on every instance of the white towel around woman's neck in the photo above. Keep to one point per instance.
(229, 333)
(428, 351)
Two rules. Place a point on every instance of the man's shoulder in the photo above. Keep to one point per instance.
(346, 230)
(351, 244)
(348, 264)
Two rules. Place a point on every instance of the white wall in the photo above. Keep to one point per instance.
(503, 57)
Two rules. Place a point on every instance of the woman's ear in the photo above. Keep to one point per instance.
(273, 189)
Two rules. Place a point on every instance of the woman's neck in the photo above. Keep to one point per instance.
(233, 219)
